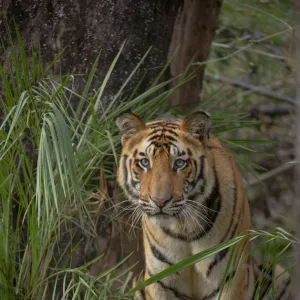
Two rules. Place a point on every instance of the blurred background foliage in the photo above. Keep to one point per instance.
(256, 40)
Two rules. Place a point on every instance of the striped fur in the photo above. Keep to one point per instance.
(205, 204)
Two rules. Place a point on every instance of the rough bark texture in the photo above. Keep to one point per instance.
(193, 33)
(86, 26)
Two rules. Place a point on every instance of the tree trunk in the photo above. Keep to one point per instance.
(86, 26)
(193, 33)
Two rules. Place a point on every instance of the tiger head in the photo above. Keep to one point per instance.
(165, 164)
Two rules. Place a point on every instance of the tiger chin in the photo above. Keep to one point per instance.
(191, 195)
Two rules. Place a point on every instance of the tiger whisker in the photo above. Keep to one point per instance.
(201, 205)
(196, 220)
(127, 209)
(196, 224)
(116, 205)
(138, 213)
(133, 212)
(199, 214)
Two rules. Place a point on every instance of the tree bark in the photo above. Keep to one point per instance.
(193, 33)
(86, 26)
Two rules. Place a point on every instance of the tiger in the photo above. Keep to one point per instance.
(192, 198)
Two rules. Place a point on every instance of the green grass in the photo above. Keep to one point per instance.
(270, 245)
(51, 159)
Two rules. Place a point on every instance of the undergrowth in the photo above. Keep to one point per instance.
(52, 156)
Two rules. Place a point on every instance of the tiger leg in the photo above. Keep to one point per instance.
(282, 283)
(269, 285)
(236, 288)
(139, 295)
(165, 289)
(170, 288)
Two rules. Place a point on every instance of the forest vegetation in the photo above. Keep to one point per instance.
(64, 231)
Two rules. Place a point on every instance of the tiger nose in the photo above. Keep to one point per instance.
(161, 202)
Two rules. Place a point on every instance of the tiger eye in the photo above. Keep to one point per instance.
(179, 163)
(144, 162)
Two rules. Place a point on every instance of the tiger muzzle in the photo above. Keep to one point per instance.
(161, 202)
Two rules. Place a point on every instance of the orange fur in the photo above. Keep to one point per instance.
(192, 197)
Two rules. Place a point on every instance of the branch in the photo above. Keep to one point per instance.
(249, 45)
(272, 173)
(256, 51)
(271, 110)
(256, 89)
(195, 25)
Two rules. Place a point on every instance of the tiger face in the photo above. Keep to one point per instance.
(164, 167)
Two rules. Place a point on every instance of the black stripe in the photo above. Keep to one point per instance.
(142, 154)
(247, 281)
(160, 144)
(248, 274)
(157, 253)
(154, 249)
(230, 275)
(142, 291)
(177, 294)
(213, 203)
(220, 255)
(193, 183)
(125, 157)
(156, 136)
(128, 190)
(201, 175)
(169, 137)
(172, 132)
(164, 130)
(135, 153)
(162, 136)
(142, 294)
(212, 294)
(284, 289)
(190, 153)
(182, 153)
(132, 181)
(157, 130)
(263, 282)
(202, 165)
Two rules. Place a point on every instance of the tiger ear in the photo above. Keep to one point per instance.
(129, 125)
(198, 125)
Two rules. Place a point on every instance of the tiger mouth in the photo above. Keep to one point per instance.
(152, 210)
(162, 213)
